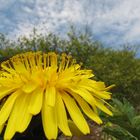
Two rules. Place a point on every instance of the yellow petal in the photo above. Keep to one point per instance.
(36, 101)
(21, 112)
(50, 96)
(10, 70)
(29, 87)
(62, 116)
(87, 110)
(20, 68)
(7, 107)
(75, 114)
(110, 87)
(97, 85)
(10, 128)
(98, 93)
(87, 96)
(102, 94)
(5, 91)
(101, 106)
(49, 121)
(19, 118)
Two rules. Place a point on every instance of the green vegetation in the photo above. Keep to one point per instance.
(125, 124)
(119, 67)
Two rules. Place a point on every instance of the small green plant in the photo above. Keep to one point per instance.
(125, 125)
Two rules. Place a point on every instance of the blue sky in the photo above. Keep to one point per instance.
(114, 22)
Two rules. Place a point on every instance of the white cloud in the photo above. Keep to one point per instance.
(5, 3)
(112, 21)
(49, 15)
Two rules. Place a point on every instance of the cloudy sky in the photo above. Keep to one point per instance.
(114, 22)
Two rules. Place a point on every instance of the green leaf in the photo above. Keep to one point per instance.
(119, 133)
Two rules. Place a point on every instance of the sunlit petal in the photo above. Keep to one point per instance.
(49, 120)
(7, 107)
(76, 114)
(36, 99)
(61, 116)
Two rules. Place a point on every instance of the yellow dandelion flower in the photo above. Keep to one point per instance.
(35, 82)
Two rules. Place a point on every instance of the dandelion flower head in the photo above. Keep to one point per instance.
(53, 85)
